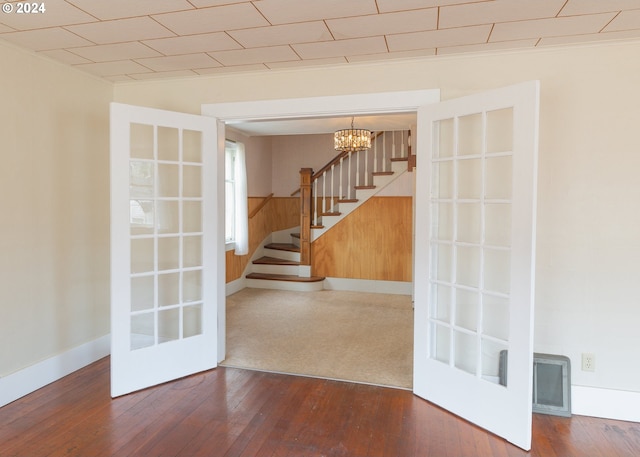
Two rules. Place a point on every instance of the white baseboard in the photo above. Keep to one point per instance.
(32, 378)
(369, 285)
(606, 403)
(235, 286)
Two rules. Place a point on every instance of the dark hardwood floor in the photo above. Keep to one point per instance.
(232, 412)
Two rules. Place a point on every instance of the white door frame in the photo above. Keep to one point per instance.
(330, 106)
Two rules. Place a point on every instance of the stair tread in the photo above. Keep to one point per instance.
(400, 159)
(283, 247)
(331, 213)
(295, 235)
(348, 200)
(365, 187)
(291, 278)
(266, 260)
(382, 173)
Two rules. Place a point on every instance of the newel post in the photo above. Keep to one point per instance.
(305, 216)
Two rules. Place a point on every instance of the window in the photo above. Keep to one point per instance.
(229, 192)
(236, 218)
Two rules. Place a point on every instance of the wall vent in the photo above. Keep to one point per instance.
(551, 383)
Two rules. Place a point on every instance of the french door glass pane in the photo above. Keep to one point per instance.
(191, 181)
(495, 317)
(469, 178)
(500, 130)
(467, 308)
(168, 180)
(168, 289)
(168, 325)
(168, 253)
(469, 222)
(192, 146)
(141, 141)
(443, 139)
(192, 321)
(441, 344)
(168, 144)
(192, 214)
(192, 251)
(168, 217)
(442, 180)
(441, 262)
(142, 255)
(498, 180)
(442, 221)
(142, 293)
(142, 330)
(466, 350)
(470, 134)
(440, 302)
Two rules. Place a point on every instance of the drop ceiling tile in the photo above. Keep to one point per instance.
(384, 24)
(288, 11)
(561, 26)
(497, 11)
(121, 30)
(45, 39)
(215, 19)
(233, 69)
(57, 13)
(355, 46)
(626, 20)
(577, 7)
(437, 38)
(255, 55)
(163, 74)
(386, 6)
(307, 63)
(65, 57)
(487, 47)
(119, 51)
(113, 68)
(206, 42)
(304, 32)
(120, 9)
(393, 55)
(182, 62)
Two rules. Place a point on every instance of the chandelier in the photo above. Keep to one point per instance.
(351, 140)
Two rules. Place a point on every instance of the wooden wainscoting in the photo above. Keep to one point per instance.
(373, 242)
(278, 214)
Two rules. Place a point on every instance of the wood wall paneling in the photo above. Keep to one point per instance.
(374, 242)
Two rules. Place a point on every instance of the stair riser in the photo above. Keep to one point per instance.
(276, 269)
(287, 255)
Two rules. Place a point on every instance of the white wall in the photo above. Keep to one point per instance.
(54, 203)
(293, 152)
(588, 277)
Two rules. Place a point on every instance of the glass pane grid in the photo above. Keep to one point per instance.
(174, 310)
(477, 174)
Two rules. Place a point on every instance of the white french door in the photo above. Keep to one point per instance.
(475, 264)
(166, 280)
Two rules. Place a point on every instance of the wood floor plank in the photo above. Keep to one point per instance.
(243, 413)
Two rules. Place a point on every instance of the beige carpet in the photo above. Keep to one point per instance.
(350, 336)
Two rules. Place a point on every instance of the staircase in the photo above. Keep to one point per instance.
(277, 266)
(337, 189)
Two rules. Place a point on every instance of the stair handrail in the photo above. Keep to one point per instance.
(262, 204)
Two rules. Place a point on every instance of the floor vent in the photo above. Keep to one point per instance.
(551, 383)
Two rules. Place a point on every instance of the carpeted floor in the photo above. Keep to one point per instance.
(352, 336)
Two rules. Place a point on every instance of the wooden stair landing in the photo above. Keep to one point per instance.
(290, 278)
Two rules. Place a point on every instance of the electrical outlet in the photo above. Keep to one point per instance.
(588, 362)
